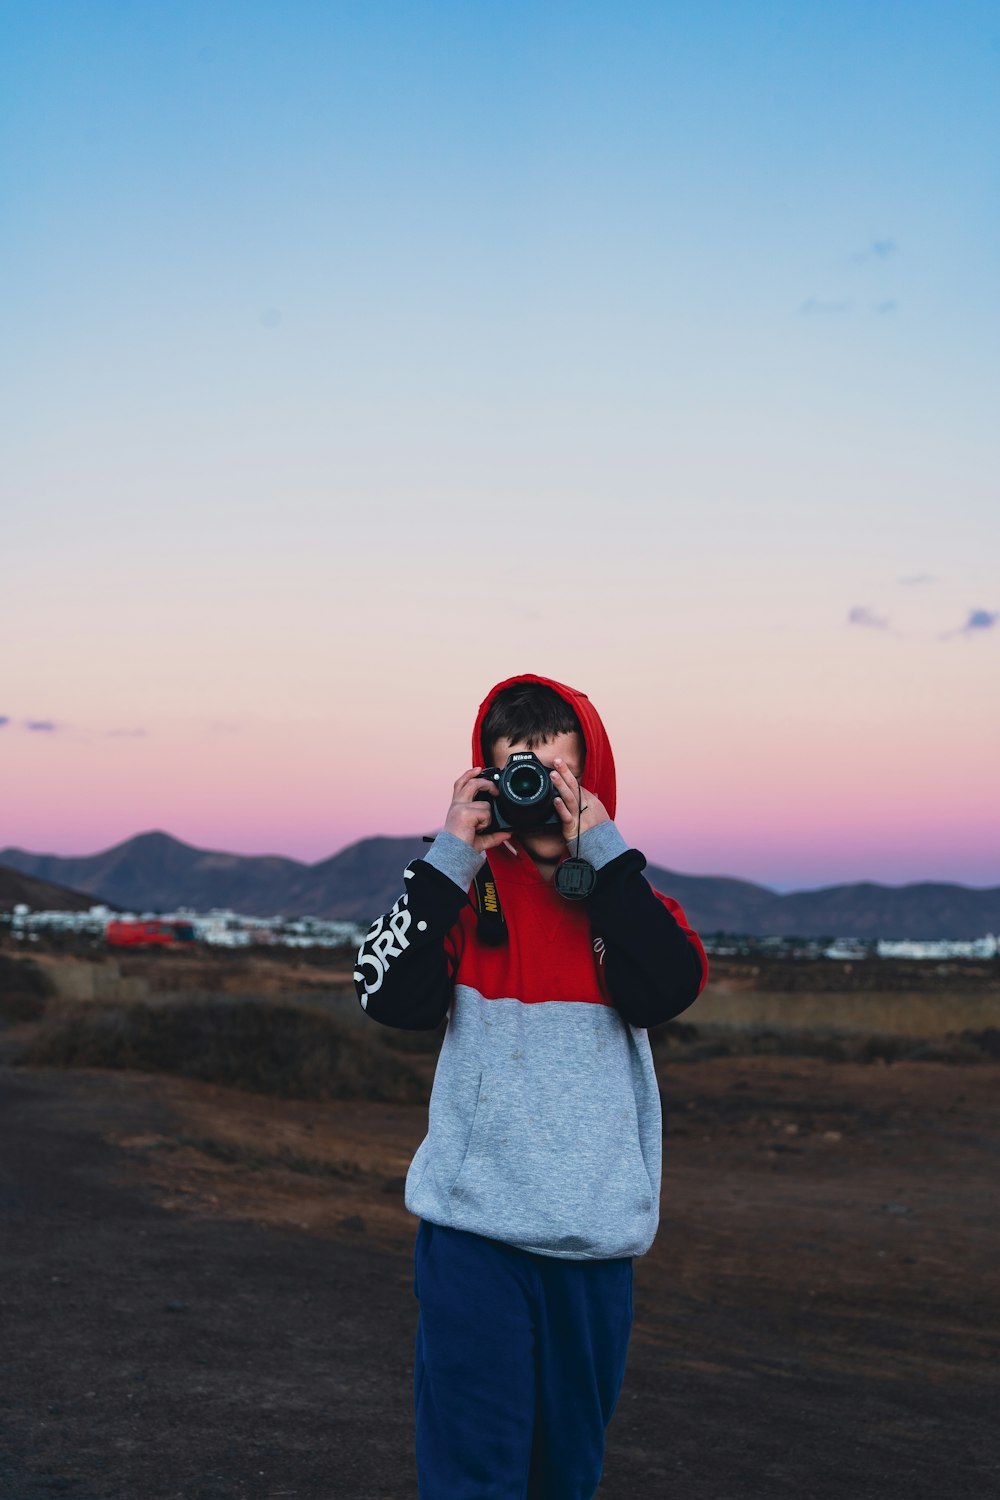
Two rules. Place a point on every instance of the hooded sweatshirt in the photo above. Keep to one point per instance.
(544, 1129)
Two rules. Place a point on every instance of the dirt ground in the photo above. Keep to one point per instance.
(206, 1295)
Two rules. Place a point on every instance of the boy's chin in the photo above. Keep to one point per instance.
(544, 848)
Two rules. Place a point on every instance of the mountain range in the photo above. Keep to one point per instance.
(156, 872)
(17, 889)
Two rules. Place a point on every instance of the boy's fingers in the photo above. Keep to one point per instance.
(562, 773)
(468, 776)
(573, 793)
(469, 794)
(491, 840)
(569, 819)
(470, 816)
(463, 790)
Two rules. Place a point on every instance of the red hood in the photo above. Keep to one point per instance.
(599, 771)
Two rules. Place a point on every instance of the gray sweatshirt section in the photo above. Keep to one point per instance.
(461, 863)
(454, 858)
(544, 1129)
(600, 845)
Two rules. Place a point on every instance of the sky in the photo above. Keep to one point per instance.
(356, 357)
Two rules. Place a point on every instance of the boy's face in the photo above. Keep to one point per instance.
(547, 845)
(567, 747)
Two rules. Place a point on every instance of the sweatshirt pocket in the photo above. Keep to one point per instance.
(552, 1168)
(478, 1134)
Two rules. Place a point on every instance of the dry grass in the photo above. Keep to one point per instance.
(681, 1042)
(293, 1051)
(24, 989)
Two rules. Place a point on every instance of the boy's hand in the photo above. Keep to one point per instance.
(467, 818)
(578, 809)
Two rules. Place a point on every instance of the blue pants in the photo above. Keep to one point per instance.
(519, 1361)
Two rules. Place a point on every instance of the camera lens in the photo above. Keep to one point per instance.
(524, 784)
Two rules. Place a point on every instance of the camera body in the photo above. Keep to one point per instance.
(524, 796)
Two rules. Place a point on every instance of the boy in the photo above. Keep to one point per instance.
(539, 1177)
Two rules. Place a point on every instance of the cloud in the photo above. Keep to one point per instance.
(980, 619)
(918, 578)
(875, 250)
(816, 307)
(862, 615)
(50, 726)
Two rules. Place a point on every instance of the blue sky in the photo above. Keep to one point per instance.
(569, 236)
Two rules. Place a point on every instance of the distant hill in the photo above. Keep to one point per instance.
(18, 889)
(865, 909)
(155, 872)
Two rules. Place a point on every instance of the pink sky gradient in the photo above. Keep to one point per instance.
(790, 758)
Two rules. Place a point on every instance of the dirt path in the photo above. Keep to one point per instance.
(818, 1321)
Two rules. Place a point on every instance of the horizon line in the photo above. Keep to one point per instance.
(416, 837)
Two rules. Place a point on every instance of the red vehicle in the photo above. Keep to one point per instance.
(153, 933)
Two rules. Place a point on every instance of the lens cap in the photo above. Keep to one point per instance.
(575, 879)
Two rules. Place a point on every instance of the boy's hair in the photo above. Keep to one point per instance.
(528, 712)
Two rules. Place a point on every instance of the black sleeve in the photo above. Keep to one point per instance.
(652, 969)
(401, 975)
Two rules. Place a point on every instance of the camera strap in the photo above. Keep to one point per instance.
(492, 924)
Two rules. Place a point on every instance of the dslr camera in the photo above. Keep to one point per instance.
(524, 796)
